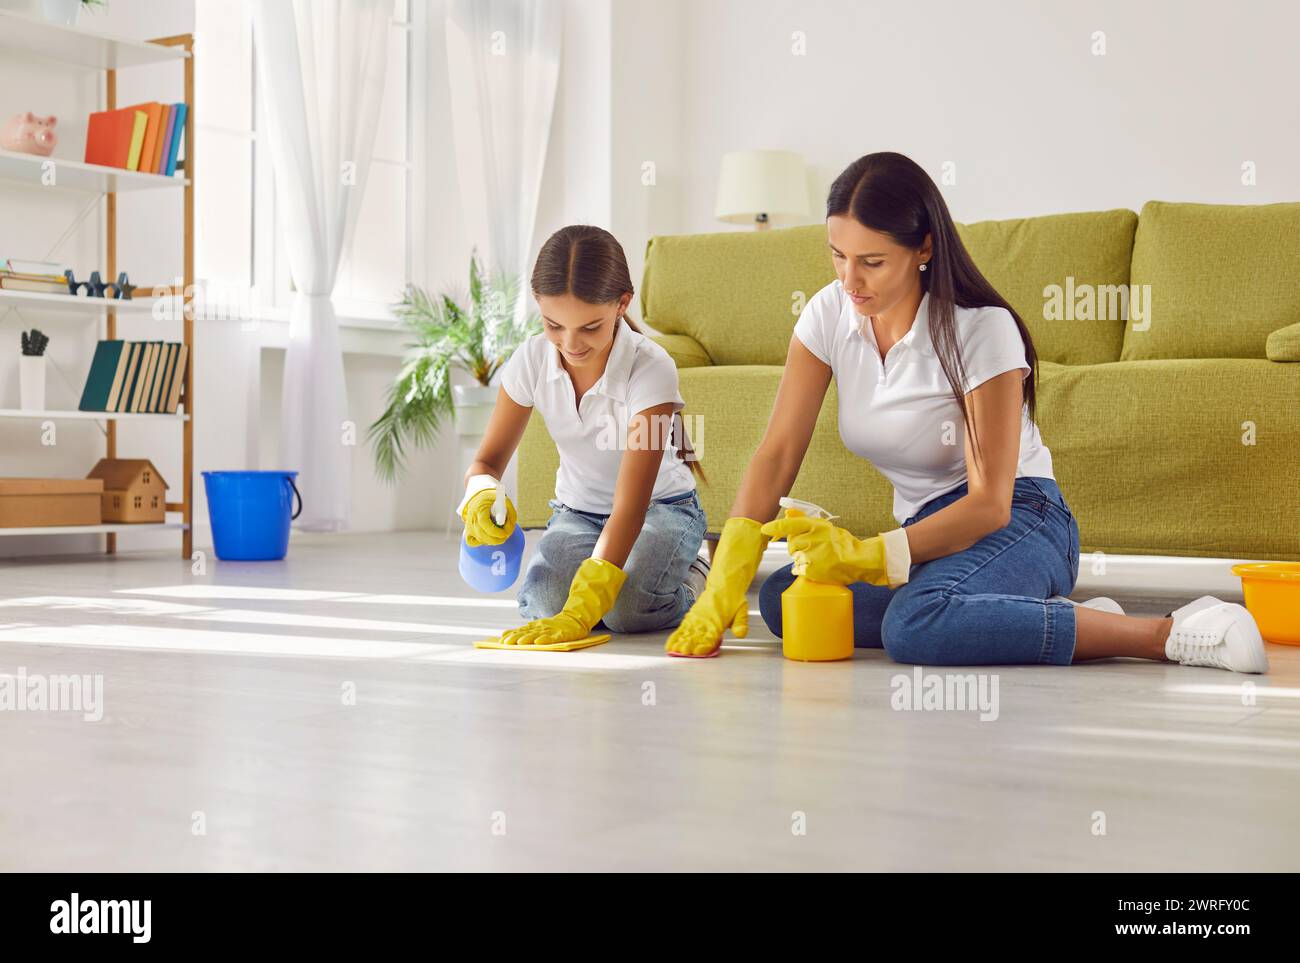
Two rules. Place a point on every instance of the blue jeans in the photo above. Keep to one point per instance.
(653, 597)
(986, 605)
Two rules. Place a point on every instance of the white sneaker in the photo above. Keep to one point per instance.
(696, 576)
(1204, 602)
(1101, 604)
(1220, 634)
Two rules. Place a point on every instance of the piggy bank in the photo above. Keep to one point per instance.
(29, 134)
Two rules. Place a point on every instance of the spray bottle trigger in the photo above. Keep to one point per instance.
(499, 507)
(794, 507)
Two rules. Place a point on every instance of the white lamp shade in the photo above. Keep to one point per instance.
(753, 182)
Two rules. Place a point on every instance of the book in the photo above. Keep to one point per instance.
(132, 374)
(108, 137)
(51, 269)
(146, 376)
(177, 133)
(137, 140)
(160, 368)
(136, 376)
(165, 120)
(178, 379)
(141, 376)
(155, 391)
(166, 392)
(167, 139)
(122, 386)
(106, 371)
(154, 111)
(10, 282)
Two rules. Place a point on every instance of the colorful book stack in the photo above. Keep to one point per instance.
(143, 376)
(145, 137)
(43, 277)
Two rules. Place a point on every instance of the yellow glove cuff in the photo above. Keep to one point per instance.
(476, 484)
(593, 590)
(744, 532)
(898, 556)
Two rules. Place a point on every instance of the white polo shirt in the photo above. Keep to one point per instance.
(900, 414)
(590, 437)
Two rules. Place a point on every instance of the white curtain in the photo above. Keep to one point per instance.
(503, 61)
(320, 65)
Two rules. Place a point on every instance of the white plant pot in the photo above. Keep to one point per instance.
(473, 404)
(31, 382)
(64, 12)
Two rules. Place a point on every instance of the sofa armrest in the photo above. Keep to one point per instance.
(685, 350)
(1284, 344)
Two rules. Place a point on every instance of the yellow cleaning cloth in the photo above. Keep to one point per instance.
(586, 643)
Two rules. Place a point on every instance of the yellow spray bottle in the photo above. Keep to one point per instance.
(816, 617)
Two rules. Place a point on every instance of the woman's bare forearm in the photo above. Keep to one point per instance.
(769, 478)
(954, 528)
(619, 534)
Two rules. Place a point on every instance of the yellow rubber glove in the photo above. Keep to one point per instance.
(723, 604)
(824, 552)
(475, 509)
(592, 592)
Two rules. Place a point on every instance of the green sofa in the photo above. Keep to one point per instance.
(1176, 432)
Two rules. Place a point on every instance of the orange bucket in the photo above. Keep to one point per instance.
(1272, 591)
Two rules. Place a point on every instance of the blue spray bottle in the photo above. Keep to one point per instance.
(493, 568)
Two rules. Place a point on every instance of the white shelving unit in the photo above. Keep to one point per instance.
(72, 175)
(94, 529)
(68, 302)
(35, 39)
(71, 46)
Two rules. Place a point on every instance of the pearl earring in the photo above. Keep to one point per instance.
(922, 267)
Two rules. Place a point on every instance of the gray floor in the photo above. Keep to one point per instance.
(329, 712)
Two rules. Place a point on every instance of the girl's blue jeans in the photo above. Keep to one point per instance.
(986, 605)
(653, 597)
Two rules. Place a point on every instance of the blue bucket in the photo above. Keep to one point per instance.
(250, 513)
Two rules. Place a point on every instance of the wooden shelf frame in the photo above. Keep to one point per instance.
(186, 42)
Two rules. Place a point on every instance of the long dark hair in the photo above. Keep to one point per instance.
(589, 263)
(890, 193)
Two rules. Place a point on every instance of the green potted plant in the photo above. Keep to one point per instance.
(476, 336)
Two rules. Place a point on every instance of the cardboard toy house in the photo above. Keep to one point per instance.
(133, 490)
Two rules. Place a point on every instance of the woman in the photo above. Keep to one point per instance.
(926, 354)
(622, 542)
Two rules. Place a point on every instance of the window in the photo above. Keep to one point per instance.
(239, 247)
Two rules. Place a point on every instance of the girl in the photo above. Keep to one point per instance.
(622, 544)
(919, 342)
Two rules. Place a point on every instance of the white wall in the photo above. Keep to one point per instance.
(1009, 91)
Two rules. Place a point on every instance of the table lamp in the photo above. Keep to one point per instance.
(756, 185)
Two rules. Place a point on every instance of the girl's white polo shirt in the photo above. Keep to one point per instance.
(590, 437)
(900, 414)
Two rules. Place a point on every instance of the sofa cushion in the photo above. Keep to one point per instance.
(683, 349)
(1284, 344)
(1077, 253)
(737, 293)
(1222, 278)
